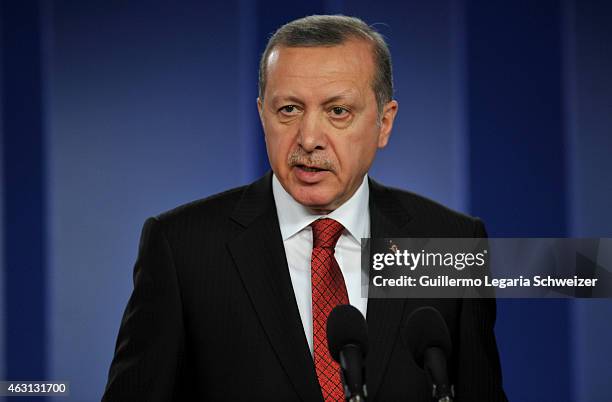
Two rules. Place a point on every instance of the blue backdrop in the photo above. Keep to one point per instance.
(113, 111)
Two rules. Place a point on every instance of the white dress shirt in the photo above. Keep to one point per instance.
(295, 220)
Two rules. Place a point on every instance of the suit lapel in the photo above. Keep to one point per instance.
(384, 316)
(260, 257)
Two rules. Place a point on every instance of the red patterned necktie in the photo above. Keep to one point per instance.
(328, 290)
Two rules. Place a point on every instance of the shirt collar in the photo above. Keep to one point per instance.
(354, 214)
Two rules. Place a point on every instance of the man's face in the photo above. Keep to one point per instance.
(321, 122)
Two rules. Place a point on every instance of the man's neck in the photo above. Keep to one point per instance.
(293, 216)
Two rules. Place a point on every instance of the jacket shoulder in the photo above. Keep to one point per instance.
(434, 217)
(212, 208)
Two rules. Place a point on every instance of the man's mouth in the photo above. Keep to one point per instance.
(310, 168)
(309, 174)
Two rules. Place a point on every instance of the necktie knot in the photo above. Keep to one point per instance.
(326, 232)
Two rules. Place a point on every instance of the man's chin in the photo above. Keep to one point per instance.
(313, 200)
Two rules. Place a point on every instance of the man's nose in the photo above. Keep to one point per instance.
(312, 135)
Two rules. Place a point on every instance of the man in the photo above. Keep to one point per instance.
(231, 293)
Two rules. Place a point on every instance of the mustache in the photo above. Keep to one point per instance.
(316, 160)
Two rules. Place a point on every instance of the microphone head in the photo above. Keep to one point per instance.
(426, 328)
(346, 326)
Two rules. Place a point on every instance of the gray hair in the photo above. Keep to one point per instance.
(333, 30)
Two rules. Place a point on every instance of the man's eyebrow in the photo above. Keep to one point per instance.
(344, 95)
(284, 98)
(348, 94)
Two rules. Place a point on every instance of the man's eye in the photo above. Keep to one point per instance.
(338, 111)
(289, 109)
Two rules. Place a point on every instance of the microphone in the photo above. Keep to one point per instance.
(429, 341)
(347, 340)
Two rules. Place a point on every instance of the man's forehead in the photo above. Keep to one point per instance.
(333, 70)
(323, 86)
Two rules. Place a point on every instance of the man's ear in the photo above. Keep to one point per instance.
(386, 123)
(260, 109)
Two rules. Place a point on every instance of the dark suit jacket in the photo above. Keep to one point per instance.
(213, 315)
